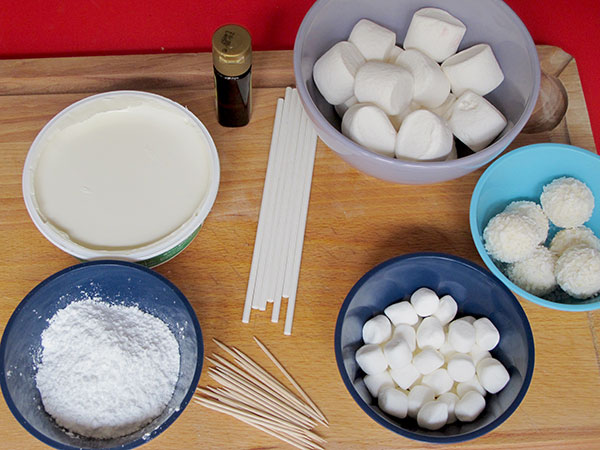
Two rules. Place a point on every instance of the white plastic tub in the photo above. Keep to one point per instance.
(121, 175)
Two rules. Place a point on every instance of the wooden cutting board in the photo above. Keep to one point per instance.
(354, 223)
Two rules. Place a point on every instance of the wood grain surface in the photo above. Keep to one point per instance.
(354, 222)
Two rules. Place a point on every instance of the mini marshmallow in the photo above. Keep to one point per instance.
(417, 397)
(377, 382)
(469, 319)
(408, 333)
(343, 107)
(406, 376)
(433, 415)
(335, 70)
(471, 385)
(439, 380)
(435, 32)
(477, 353)
(431, 85)
(401, 312)
(450, 399)
(492, 375)
(397, 352)
(461, 335)
(371, 359)
(475, 121)
(427, 360)
(397, 119)
(461, 367)
(370, 127)
(486, 334)
(475, 69)
(386, 85)
(423, 136)
(446, 310)
(444, 109)
(394, 53)
(394, 402)
(430, 333)
(372, 40)
(425, 301)
(377, 330)
(469, 406)
(446, 349)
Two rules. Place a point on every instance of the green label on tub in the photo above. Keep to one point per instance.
(164, 257)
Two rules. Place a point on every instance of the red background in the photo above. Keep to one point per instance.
(37, 28)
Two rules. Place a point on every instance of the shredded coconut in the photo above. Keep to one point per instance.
(536, 273)
(578, 272)
(534, 212)
(571, 237)
(510, 237)
(567, 202)
(106, 370)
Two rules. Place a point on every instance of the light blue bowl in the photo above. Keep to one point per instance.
(520, 175)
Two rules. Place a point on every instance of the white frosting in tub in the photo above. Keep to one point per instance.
(121, 172)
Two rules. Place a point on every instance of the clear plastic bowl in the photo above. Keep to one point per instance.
(487, 21)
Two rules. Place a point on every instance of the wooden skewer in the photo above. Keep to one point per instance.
(245, 361)
(290, 379)
(292, 438)
(239, 384)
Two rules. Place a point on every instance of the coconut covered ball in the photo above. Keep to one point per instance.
(571, 237)
(510, 237)
(536, 273)
(567, 202)
(578, 271)
(533, 211)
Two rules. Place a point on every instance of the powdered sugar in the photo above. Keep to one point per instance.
(106, 370)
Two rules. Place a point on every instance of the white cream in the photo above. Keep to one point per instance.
(121, 172)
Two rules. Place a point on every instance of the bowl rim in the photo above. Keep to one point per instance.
(475, 160)
(395, 428)
(136, 254)
(475, 232)
(83, 266)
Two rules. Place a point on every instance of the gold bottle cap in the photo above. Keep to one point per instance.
(232, 50)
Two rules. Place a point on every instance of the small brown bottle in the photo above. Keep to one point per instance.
(232, 63)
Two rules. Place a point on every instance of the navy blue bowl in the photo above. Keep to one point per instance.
(115, 282)
(478, 293)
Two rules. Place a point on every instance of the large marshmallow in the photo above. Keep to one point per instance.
(439, 380)
(335, 70)
(471, 385)
(492, 375)
(469, 406)
(433, 415)
(435, 32)
(408, 333)
(370, 359)
(475, 69)
(394, 52)
(450, 399)
(370, 127)
(386, 85)
(425, 301)
(446, 310)
(406, 376)
(423, 136)
(397, 352)
(397, 119)
(461, 335)
(394, 402)
(444, 109)
(475, 121)
(427, 360)
(377, 382)
(417, 397)
(343, 107)
(431, 85)
(372, 40)
(377, 330)
(430, 333)
(401, 312)
(486, 334)
(461, 367)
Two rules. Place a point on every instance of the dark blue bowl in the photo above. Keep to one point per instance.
(117, 283)
(478, 293)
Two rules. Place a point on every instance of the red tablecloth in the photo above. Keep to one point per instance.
(30, 28)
